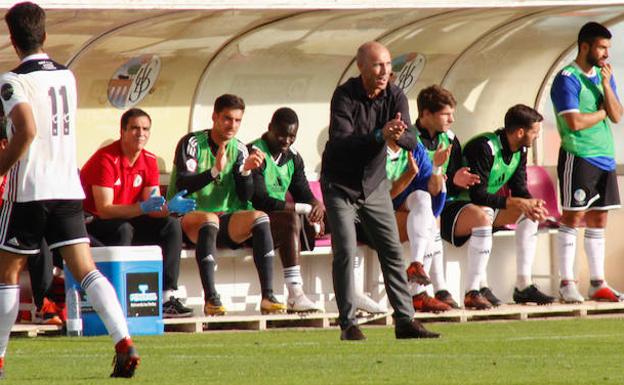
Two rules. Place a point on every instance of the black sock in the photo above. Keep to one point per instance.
(205, 250)
(263, 254)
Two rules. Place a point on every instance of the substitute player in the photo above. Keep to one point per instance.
(585, 99)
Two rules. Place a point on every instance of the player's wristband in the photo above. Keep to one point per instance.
(303, 208)
(437, 170)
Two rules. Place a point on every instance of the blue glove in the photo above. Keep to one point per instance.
(152, 204)
(181, 205)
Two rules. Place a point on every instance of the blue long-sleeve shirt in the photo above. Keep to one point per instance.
(421, 181)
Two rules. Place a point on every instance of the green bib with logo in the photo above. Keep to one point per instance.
(446, 141)
(277, 178)
(501, 172)
(596, 140)
(395, 168)
(219, 195)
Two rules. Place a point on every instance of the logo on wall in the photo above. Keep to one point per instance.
(406, 70)
(133, 80)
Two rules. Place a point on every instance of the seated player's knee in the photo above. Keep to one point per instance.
(256, 214)
(192, 222)
(418, 200)
(483, 216)
(210, 218)
(292, 223)
(200, 218)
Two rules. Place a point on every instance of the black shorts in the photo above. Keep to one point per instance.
(24, 224)
(584, 186)
(448, 218)
(447, 222)
(223, 236)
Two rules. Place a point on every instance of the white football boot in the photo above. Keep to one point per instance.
(301, 304)
(569, 293)
(365, 303)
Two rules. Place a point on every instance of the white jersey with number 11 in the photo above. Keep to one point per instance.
(48, 170)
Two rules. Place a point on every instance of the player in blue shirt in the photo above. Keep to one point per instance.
(585, 99)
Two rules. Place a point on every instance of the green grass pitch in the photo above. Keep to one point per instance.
(573, 351)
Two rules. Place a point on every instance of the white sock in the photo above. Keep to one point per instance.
(416, 288)
(358, 274)
(479, 248)
(419, 221)
(595, 250)
(104, 300)
(483, 282)
(566, 248)
(166, 294)
(437, 262)
(9, 305)
(526, 243)
(293, 280)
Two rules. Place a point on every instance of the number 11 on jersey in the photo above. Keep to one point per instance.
(59, 117)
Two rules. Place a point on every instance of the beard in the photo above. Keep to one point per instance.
(594, 60)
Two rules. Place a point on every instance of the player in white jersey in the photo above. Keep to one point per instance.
(43, 196)
(50, 89)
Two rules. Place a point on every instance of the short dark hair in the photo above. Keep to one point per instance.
(26, 22)
(284, 116)
(521, 116)
(592, 31)
(230, 102)
(133, 113)
(434, 98)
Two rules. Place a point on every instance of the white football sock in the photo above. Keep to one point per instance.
(526, 243)
(419, 221)
(479, 248)
(293, 280)
(566, 248)
(595, 250)
(9, 306)
(483, 281)
(437, 262)
(104, 300)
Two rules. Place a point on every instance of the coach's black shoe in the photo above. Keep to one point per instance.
(126, 359)
(532, 295)
(413, 329)
(487, 293)
(175, 309)
(352, 333)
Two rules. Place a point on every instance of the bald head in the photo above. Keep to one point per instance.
(375, 65)
(367, 49)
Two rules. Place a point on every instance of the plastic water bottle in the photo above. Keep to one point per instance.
(74, 321)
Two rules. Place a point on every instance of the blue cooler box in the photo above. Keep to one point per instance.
(136, 274)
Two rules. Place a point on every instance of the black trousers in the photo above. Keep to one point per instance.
(141, 231)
